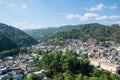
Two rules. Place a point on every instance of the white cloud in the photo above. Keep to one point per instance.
(25, 25)
(108, 17)
(85, 17)
(92, 16)
(88, 16)
(114, 6)
(70, 16)
(101, 6)
(14, 5)
(97, 7)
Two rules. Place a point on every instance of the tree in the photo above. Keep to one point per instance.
(68, 75)
(10, 78)
(34, 77)
(85, 77)
(59, 77)
(79, 77)
(38, 52)
(95, 78)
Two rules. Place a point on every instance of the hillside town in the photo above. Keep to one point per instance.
(18, 67)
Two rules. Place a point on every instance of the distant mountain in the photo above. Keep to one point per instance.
(44, 33)
(91, 31)
(14, 35)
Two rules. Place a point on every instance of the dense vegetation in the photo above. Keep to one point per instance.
(11, 39)
(69, 66)
(17, 36)
(6, 43)
(41, 34)
(92, 31)
(11, 52)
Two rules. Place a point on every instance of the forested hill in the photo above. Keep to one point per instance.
(43, 33)
(15, 35)
(6, 43)
(92, 31)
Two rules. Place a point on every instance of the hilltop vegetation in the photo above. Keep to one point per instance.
(6, 43)
(41, 34)
(11, 39)
(17, 36)
(95, 31)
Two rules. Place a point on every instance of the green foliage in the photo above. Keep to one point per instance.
(59, 77)
(23, 50)
(6, 43)
(70, 58)
(52, 61)
(95, 78)
(68, 75)
(10, 78)
(9, 53)
(85, 77)
(57, 62)
(34, 77)
(38, 52)
(79, 77)
(103, 75)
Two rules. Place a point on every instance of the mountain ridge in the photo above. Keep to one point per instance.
(16, 35)
(45, 32)
(94, 30)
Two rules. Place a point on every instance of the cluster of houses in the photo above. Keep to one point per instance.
(18, 67)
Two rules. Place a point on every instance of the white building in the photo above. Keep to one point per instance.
(106, 65)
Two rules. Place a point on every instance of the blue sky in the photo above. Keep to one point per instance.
(30, 14)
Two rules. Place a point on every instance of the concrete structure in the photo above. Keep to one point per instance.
(106, 65)
(94, 62)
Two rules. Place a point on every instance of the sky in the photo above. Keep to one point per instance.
(32, 14)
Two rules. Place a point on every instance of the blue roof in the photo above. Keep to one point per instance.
(17, 76)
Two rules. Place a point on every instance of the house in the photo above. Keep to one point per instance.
(8, 58)
(17, 77)
(3, 77)
(17, 71)
(2, 64)
(40, 73)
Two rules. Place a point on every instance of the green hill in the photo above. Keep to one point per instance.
(17, 36)
(91, 31)
(44, 33)
(6, 43)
